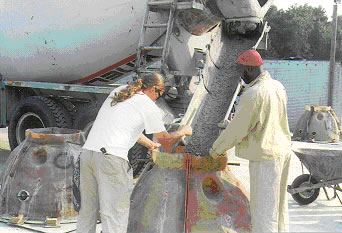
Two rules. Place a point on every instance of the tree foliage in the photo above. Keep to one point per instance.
(302, 31)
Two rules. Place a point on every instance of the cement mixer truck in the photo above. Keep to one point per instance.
(60, 59)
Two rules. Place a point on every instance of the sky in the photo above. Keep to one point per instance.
(326, 4)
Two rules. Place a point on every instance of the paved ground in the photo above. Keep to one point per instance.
(319, 216)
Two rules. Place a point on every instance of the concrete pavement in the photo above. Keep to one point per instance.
(320, 216)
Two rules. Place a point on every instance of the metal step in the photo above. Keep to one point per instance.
(148, 68)
(148, 71)
(163, 25)
(189, 5)
(161, 4)
(152, 47)
(179, 5)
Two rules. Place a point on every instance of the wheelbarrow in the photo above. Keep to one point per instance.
(324, 162)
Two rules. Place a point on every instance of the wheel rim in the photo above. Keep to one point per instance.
(307, 193)
(29, 120)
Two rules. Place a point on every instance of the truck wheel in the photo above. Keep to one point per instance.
(85, 118)
(35, 112)
(308, 196)
(69, 107)
(136, 156)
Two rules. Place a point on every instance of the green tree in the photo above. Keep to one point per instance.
(319, 37)
(300, 31)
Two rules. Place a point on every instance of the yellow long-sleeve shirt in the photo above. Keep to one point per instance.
(259, 130)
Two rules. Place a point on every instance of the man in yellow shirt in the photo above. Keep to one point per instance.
(260, 133)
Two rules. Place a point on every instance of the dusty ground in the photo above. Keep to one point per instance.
(319, 216)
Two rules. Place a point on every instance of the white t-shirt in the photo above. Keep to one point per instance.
(117, 128)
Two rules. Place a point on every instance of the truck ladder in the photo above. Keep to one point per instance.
(141, 65)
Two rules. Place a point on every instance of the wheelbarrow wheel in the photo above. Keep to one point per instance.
(308, 196)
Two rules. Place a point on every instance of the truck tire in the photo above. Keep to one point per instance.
(70, 108)
(85, 118)
(138, 157)
(35, 112)
(308, 196)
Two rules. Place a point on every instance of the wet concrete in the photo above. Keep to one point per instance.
(320, 216)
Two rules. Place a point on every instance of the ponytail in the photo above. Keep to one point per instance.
(148, 81)
(127, 92)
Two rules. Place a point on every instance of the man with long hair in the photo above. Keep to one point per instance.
(106, 180)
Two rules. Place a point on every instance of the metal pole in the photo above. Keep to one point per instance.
(332, 58)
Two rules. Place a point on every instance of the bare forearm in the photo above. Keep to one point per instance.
(176, 136)
(145, 141)
(167, 140)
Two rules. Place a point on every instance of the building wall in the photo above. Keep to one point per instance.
(306, 83)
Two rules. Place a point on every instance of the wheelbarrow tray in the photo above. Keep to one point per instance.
(323, 160)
